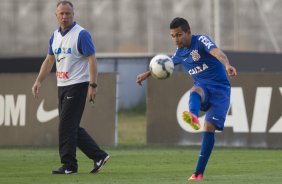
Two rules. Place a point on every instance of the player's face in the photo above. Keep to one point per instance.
(64, 14)
(180, 38)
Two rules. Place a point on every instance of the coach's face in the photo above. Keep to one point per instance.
(64, 14)
(181, 38)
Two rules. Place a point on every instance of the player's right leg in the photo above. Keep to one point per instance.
(191, 119)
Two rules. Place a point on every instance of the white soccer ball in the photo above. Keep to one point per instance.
(161, 66)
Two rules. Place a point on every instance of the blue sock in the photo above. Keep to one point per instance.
(195, 103)
(206, 149)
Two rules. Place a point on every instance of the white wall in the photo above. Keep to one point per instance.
(135, 26)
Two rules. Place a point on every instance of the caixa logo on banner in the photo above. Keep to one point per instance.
(237, 118)
(13, 111)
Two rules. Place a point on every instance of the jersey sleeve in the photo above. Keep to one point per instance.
(50, 50)
(176, 59)
(84, 44)
(206, 43)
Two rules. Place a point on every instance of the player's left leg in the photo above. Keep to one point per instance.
(215, 118)
(206, 149)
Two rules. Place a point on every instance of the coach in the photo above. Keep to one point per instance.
(72, 49)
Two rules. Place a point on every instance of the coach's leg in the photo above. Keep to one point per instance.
(88, 146)
(70, 116)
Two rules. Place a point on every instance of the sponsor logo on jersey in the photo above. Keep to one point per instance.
(60, 59)
(62, 75)
(195, 55)
(206, 41)
(198, 69)
(63, 51)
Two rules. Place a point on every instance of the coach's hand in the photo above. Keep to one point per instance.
(35, 89)
(92, 94)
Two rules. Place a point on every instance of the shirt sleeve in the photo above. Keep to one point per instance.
(176, 59)
(84, 44)
(50, 50)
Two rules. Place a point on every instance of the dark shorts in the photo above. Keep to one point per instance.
(216, 104)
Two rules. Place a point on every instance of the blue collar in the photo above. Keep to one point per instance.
(64, 33)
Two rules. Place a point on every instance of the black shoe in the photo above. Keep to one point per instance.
(99, 164)
(64, 170)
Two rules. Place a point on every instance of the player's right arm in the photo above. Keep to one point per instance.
(143, 76)
(46, 68)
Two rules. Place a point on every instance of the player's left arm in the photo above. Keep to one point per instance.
(219, 54)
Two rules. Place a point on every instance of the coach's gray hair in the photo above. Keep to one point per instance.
(65, 2)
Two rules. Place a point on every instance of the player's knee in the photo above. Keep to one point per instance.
(209, 127)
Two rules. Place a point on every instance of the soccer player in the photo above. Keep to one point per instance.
(73, 51)
(208, 66)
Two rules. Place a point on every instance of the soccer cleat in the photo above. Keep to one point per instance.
(64, 170)
(196, 177)
(191, 119)
(99, 164)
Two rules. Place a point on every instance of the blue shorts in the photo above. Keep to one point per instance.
(216, 104)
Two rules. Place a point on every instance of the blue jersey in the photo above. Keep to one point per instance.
(200, 64)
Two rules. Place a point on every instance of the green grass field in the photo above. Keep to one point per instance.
(141, 164)
(132, 162)
(132, 128)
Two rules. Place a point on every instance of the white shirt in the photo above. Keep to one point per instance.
(72, 66)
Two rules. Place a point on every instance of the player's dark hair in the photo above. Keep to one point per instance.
(65, 2)
(180, 22)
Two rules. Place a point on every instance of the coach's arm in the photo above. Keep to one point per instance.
(46, 68)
